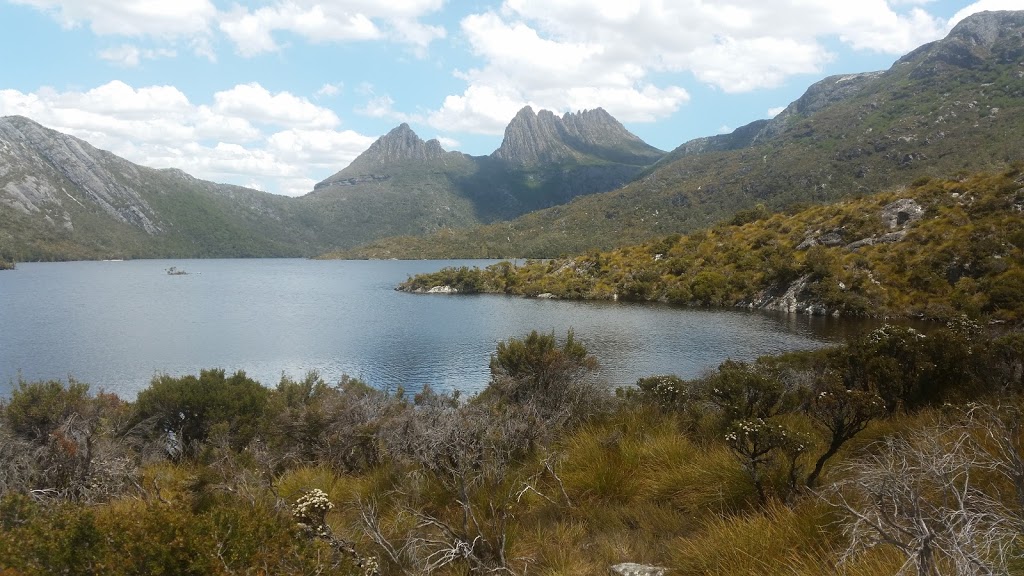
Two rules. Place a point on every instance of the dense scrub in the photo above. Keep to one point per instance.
(899, 451)
(937, 249)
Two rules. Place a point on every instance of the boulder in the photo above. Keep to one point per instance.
(631, 569)
(899, 214)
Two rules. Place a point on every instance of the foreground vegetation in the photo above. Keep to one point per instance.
(5, 265)
(936, 249)
(900, 451)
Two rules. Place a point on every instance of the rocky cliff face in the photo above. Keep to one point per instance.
(536, 138)
(400, 145)
(979, 41)
(46, 173)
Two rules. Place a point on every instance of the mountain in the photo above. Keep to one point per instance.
(586, 136)
(951, 106)
(62, 198)
(402, 185)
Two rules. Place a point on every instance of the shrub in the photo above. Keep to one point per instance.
(551, 379)
(36, 409)
(185, 410)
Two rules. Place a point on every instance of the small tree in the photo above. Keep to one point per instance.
(742, 392)
(758, 443)
(843, 413)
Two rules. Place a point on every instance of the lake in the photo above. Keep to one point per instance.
(115, 325)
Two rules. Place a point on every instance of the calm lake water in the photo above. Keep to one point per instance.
(115, 325)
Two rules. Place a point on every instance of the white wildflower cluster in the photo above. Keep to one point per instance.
(964, 326)
(888, 332)
(311, 509)
(757, 431)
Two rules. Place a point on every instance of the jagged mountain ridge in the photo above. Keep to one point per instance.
(953, 105)
(62, 198)
(543, 161)
(532, 138)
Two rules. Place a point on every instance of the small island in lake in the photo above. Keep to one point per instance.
(175, 271)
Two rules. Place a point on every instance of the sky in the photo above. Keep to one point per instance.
(280, 94)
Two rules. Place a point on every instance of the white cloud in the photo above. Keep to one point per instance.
(257, 104)
(983, 5)
(189, 20)
(448, 144)
(775, 111)
(228, 139)
(253, 31)
(131, 17)
(129, 56)
(481, 109)
(569, 54)
(328, 90)
(384, 107)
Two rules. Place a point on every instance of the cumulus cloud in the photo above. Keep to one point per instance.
(244, 134)
(253, 31)
(256, 103)
(629, 56)
(983, 5)
(188, 20)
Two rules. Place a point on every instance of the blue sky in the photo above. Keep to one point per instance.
(280, 94)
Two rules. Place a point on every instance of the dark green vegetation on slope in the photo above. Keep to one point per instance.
(952, 106)
(936, 249)
(799, 464)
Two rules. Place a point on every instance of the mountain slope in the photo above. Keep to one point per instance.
(62, 198)
(952, 105)
(936, 249)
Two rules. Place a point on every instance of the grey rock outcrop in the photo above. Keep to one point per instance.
(542, 137)
(399, 145)
(633, 569)
(44, 171)
(901, 213)
(974, 43)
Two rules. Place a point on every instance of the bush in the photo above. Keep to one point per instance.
(36, 409)
(554, 380)
(186, 410)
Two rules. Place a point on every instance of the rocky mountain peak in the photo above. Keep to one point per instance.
(533, 138)
(985, 28)
(974, 43)
(401, 143)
